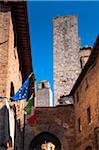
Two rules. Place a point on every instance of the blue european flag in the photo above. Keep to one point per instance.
(22, 93)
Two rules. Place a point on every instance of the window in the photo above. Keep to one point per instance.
(81, 63)
(79, 125)
(11, 90)
(15, 38)
(88, 148)
(43, 86)
(88, 115)
(86, 83)
(77, 96)
(15, 53)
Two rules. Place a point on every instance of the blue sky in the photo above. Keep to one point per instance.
(41, 31)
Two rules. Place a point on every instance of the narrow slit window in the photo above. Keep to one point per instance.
(12, 89)
(86, 83)
(79, 124)
(88, 115)
(43, 85)
(77, 96)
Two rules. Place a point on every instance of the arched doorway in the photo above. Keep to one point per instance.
(45, 138)
(88, 148)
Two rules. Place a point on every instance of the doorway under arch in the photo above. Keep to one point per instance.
(88, 148)
(42, 138)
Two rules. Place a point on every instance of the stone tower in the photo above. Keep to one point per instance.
(44, 94)
(66, 46)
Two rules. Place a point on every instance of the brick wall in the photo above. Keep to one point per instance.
(13, 72)
(66, 47)
(4, 42)
(57, 120)
(88, 96)
(9, 62)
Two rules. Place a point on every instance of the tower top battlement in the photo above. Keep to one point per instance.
(43, 84)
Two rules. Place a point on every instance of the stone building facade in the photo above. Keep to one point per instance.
(86, 103)
(15, 67)
(53, 125)
(8, 54)
(84, 55)
(66, 58)
(11, 47)
(71, 126)
(44, 94)
(74, 123)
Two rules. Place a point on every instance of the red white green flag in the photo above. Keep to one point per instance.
(28, 108)
(32, 119)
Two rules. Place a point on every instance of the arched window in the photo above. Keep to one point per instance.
(88, 148)
(11, 89)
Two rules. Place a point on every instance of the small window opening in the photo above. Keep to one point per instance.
(43, 85)
(15, 38)
(15, 53)
(12, 90)
(79, 125)
(81, 63)
(86, 83)
(88, 115)
(77, 96)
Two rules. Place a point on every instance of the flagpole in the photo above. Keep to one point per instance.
(30, 75)
(25, 118)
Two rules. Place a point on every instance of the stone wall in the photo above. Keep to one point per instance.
(66, 46)
(9, 62)
(14, 74)
(87, 95)
(84, 55)
(44, 95)
(10, 75)
(13, 16)
(57, 120)
(4, 44)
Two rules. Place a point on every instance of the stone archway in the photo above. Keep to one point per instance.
(88, 148)
(42, 138)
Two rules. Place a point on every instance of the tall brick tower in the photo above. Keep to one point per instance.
(66, 46)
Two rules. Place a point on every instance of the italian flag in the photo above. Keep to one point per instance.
(32, 119)
(30, 110)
